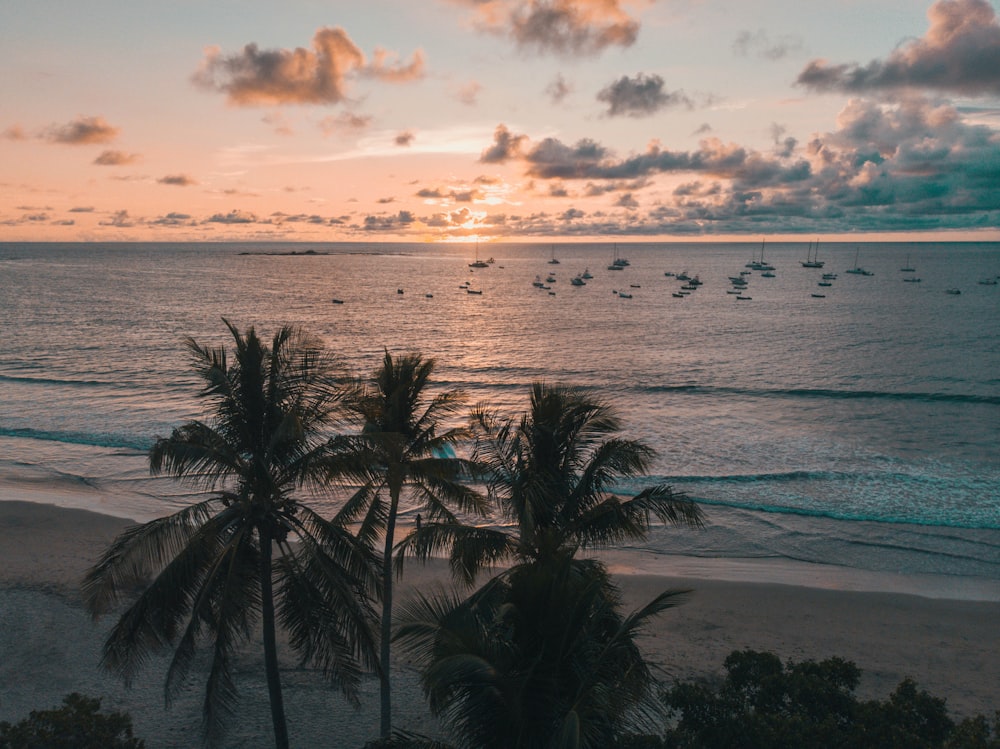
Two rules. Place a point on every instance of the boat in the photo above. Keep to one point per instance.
(695, 281)
(811, 261)
(819, 296)
(987, 282)
(337, 301)
(767, 274)
(399, 291)
(554, 260)
(857, 270)
(908, 268)
(618, 263)
(477, 263)
(550, 278)
(668, 274)
(624, 295)
(829, 276)
(744, 298)
(429, 296)
(755, 264)
(474, 291)
(912, 279)
(679, 295)
(734, 291)
(635, 286)
(577, 281)
(538, 283)
(683, 276)
(689, 287)
(953, 291)
(586, 274)
(824, 283)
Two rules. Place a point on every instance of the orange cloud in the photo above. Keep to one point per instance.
(179, 180)
(83, 131)
(116, 158)
(255, 77)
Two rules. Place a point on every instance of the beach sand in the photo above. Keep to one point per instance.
(49, 646)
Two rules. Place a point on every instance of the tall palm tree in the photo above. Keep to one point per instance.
(404, 445)
(540, 656)
(251, 551)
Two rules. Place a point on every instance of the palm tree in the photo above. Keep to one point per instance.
(403, 445)
(551, 475)
(210, 570)
(540, 656)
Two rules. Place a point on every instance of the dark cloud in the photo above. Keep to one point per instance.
(404, 138)
(319, 75)
(960, 53)
(760, 44)
(174, 219)
(640, 96)
(564, 27)
(178, 180)
(233, 217)
(505, 146)
(116, 158)
(82, 131)
(119, 220)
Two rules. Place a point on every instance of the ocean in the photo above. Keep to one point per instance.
(848, 440)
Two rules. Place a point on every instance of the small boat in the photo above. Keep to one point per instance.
(734, 291)
(586, 274)
(689, 287)
(824, 283)
(474, 291)
(819, 296)
(811, 261)
(399, 291)
(683, 276)
(429, 296)
(767, 274)
(668, 274)
(554, 260)
(953, 291)
(987, 282)
(695, 281)
(744, 298)
(477, 263)
(914, 279)
(577, 281)
(538, 283)
(337, 301)
(618, 263)
(857, 270)
(552, 293)
(624, 295)
(550, 279)
(634, 286)
(829, 276)
(756, 264)
(908, 268)
(679, 295)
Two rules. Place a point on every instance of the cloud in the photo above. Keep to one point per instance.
(404, 138)
(178, 180)
(15, 132)
(505, 146)
(468, 93)
(345, 122)
(233, 217)
(563, 27)
(759, 44)
(116, 158)
(558, 89)
(959, 54)
(82, 131)
(82, 209)
(320, 75)
(640, 96)
(119, 219)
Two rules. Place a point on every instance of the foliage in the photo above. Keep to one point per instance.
(207, 572)
(403, 445)
(78, 724)
(764, 704)
(540, 656)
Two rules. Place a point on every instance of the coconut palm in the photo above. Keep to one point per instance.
(404, 445)
(540, 656)
(554, 476)
(251, 553)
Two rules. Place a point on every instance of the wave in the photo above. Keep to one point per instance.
(58, 381)
(126, 442)
(827, 393)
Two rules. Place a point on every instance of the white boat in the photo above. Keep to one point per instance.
(811, 261)
(857, 270)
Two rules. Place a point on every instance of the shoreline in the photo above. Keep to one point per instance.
(50, 647)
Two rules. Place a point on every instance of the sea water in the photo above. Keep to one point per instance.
(849, 434)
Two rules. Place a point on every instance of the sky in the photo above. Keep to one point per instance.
(498, 120)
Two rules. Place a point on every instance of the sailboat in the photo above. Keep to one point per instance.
(908, 268)
(478, 263)
(554, 260)
(811, 261)
(618, 263)
(857, 269)
(755, 264)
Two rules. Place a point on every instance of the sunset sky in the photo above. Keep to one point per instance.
(536, 120)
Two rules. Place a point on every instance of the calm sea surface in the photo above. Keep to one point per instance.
(854, 432)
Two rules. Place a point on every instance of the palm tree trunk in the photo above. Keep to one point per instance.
(385, 683)
(270, 644)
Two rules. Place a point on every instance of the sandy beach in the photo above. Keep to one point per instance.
(49, 646)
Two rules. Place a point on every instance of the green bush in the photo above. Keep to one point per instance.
(78, 724)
